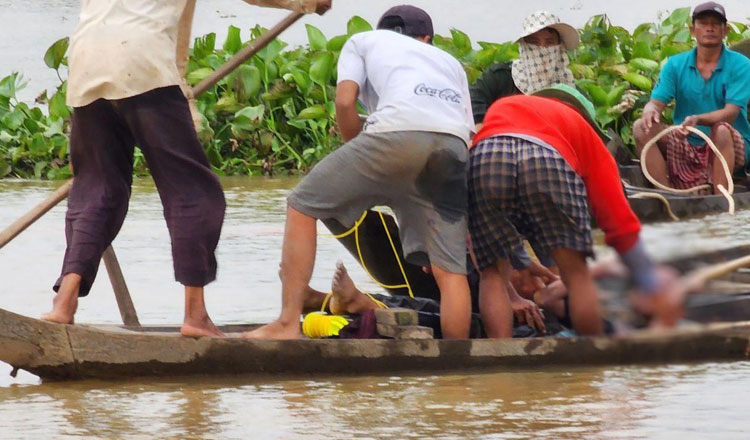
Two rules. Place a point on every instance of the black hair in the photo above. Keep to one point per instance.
(393, 23)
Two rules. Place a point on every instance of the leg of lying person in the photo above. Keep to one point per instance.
(494, 304)
(721, 135)
(583, 294)
(655, 159)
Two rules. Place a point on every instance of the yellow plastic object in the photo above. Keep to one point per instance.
(320, 325)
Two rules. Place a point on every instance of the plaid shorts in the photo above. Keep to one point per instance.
(521, 190)
(688, 165)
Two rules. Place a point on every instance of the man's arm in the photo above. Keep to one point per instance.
(304, 6)
(727, 114)
(347, 116)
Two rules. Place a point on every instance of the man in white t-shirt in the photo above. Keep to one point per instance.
(127, 60)
(410, 154)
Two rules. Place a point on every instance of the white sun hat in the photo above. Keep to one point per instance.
(542, 19)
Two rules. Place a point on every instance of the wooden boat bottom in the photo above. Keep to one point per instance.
(55, 351)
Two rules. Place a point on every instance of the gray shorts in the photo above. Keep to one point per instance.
(421, 176)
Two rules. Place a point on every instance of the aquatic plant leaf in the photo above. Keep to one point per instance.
(198, 75)
(356, 25)
(314, 112)
(233, 43)
(56, 53)
(335, 44)
(5, 168)
(315, 37)
(321, 68)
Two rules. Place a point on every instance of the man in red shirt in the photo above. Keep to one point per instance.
(535, 168)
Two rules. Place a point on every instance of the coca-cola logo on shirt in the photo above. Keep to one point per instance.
(449, 95)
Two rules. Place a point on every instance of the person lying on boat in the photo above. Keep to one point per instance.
(542, 62)
(125, 89)
(345, 299)
(535, 167)
(410, 154)
(710, 86)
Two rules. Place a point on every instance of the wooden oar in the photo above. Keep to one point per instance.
(696, 279)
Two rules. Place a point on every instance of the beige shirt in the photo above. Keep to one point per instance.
(122, 48)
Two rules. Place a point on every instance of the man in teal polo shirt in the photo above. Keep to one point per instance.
(711, 88)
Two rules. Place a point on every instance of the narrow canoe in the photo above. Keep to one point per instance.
(55, 351)
(683, 206)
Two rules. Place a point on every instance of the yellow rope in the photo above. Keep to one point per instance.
(355, 230)
(380, 304)
(325, 301)
(395, 254)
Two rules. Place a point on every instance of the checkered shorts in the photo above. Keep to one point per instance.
(689, 164)
(519, 189)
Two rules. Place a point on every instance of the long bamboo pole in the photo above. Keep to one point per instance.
(30, 217)
(124, 302)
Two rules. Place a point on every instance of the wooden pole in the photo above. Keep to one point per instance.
(246, 53)
(30, 217)
(122, 294)
(696, 279)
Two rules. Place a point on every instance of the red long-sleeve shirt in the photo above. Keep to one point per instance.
(562, 127)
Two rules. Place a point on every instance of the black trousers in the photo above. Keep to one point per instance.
(102, 140)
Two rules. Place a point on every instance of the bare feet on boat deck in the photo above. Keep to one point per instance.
(198, 328)
(275, 330)
(347, 299)
(65, 303)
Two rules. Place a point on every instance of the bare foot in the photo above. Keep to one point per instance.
(275, 330)
(64, 307)
(346, 297)
(198, 328)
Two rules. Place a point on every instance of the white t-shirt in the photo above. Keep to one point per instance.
(407, 85)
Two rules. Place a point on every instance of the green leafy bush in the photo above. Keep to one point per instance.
(276, 112)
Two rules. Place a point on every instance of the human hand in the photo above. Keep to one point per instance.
(526, 312)
(651, 116)
(665, 304)
(323, 6)
(690, 121)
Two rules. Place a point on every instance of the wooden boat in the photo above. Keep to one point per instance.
(683, 206)
(55, 351)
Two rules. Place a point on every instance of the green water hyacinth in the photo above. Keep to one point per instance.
(276, 112)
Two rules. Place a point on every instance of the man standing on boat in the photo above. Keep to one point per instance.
(410, 154)
(711, 88)
(127, 63)
(535, 166)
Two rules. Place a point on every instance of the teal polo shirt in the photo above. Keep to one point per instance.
(729, 84)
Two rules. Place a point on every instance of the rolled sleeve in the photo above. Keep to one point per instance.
(351, 66)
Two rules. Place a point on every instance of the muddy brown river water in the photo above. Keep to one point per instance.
(685, 401)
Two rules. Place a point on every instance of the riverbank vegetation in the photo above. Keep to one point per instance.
(276, 113)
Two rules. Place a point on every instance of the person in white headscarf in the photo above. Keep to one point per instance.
(542, 62)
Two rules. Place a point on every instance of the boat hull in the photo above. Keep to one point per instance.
(55, 351)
